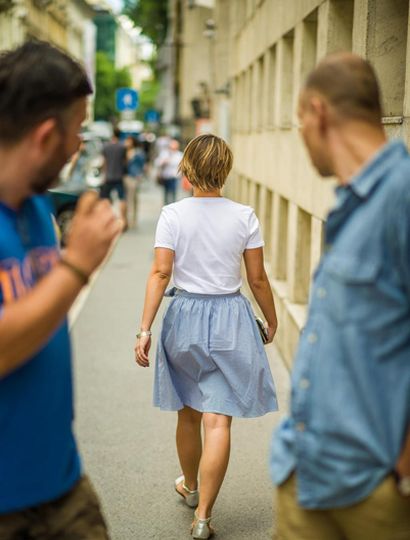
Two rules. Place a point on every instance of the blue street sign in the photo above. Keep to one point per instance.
(152, 116)
(126, 99)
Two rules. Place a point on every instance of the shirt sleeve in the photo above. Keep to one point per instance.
(165, 235)
(255, 239)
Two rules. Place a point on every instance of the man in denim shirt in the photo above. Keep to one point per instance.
(342, 458)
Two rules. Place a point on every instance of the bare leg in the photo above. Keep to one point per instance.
(214, 461)
(123, 209)
(189, 445)
(131, 199)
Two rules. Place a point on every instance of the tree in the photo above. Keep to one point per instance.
(148, 96)
(107, 80)
(151, 16)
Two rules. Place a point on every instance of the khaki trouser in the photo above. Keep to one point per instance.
(75, 516)
(384, 515)
(132, 198)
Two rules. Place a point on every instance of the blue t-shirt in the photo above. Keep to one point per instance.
(136, 164)
(39, 460)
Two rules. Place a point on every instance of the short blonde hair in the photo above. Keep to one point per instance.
(206, 162)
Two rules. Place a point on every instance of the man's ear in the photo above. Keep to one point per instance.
(45, 134)
(321, 111)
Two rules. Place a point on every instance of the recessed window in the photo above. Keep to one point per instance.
(257, 202)
(309, 44)
(286, 80)
(280, 237)
(335, 30)
(267, 226)
(271, 87)
(249, 102)
(259, 93)
(299, 253)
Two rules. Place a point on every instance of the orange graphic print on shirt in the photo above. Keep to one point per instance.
(18, 277)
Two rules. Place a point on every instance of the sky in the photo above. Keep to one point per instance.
(116, 4)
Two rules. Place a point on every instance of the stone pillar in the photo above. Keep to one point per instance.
(298, 256)
(360, 27)
(386, 49)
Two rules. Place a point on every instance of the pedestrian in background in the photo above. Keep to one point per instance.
(115, 168)
(44, 494)
(133, 179)
(79, 165)
(211, 364)
(168, 170)
(342, 458)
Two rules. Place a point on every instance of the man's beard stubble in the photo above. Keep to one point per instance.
(48, 175)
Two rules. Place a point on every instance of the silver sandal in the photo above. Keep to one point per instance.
(201, 528)
(192, 497)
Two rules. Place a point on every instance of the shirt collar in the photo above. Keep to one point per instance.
(375, 170)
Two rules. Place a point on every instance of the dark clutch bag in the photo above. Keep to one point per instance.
(262, 330)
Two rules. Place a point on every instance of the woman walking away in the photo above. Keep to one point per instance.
(211, 364)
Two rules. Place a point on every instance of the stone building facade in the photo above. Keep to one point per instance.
(268, 48)
(68, 24)
(186, 64)
(65, 23)
(25, 19)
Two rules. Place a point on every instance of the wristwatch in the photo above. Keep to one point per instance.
(403, 485)
(143, 333)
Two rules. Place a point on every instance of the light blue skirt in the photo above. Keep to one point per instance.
(211, 358)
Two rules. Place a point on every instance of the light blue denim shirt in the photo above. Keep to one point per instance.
(350, 402)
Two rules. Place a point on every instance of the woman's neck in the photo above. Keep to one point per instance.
(198, 193)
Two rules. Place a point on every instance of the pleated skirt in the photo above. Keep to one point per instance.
(211, 358)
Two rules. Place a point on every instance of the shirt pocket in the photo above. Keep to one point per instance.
(352, 287)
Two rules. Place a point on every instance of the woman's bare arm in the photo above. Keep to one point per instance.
(260, 287)
(158, 281)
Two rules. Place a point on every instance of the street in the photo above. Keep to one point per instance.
(127, 445)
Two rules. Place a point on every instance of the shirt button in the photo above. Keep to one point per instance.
(300, 426)
(304, 384)
(312, 338)
(321, 292)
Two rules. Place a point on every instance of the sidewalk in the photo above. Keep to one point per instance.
(127, 445)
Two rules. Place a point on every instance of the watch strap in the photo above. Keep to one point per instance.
(81, 275)
(144, 333)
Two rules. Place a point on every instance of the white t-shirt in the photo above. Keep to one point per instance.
(209, 236)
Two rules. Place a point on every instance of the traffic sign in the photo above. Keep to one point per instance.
(152, 116)
(126, 99)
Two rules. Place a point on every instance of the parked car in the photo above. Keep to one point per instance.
(83, 172)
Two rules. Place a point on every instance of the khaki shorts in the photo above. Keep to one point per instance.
(75, 516)
(384, 515)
